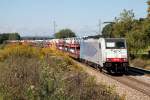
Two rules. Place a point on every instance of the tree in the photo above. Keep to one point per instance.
(124, 25)
(126, 15)
(137, 40)
(146, 30)
(148, 10)
(120, 26)
(9, 36)
(107, 30)
(65, 33)
(13, 36)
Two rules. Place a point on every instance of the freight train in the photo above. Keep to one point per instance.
(104, 53)
(109, 54)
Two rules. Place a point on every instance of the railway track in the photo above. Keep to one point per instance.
(139, 70)
(134, 83)
(128, 79)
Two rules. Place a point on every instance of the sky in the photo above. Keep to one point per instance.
(36, 17)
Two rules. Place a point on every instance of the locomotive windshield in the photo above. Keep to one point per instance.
(115, 44)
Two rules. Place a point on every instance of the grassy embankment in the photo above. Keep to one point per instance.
(29, 73)
(141, 63)
(142, 59)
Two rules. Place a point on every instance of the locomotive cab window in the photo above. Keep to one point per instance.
(120, 45)
(115, 44)
(110, 44)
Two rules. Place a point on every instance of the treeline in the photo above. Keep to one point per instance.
(9, 36)
(136, 31)
(65, 33)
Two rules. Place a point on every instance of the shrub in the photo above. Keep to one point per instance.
(17, 75)
(29, 73)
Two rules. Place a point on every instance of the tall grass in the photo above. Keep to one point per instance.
(29, 73)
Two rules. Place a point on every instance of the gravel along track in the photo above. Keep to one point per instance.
(135, 84)
(145, 78)
(132, 88)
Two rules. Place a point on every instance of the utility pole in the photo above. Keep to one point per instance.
(99, 26)
(54, 23)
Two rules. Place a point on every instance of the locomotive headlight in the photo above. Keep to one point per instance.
(108, 59)
(125, 59)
